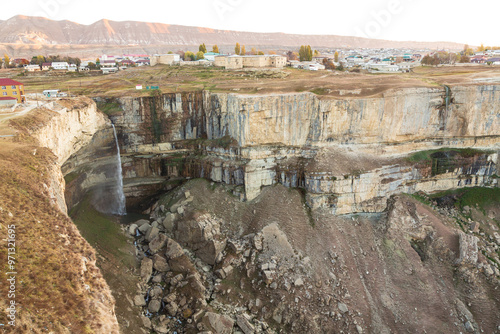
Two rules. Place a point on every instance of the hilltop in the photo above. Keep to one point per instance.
(24, 35)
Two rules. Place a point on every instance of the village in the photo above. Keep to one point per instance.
(371, 60)
(367, 61)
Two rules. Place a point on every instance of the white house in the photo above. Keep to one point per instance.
(60, 65)
(32, 68)
(72, 68)
(107, 70)
(84, 66)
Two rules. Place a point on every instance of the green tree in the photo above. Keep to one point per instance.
(170, 53)
(336, 56)
(243, 51)
(203, 48)
(189, 56)
(464, 59)
(237, 49)
(7, 60)
(467, 50)
(260, 53)
(200, 55)
(305, 53)
(1, 62)
(316, 53)
(215, 49)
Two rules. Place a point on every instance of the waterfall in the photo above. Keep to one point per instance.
(120, 208)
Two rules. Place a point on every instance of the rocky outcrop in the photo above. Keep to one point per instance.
(417, 118)
(277, 136)
(68, 127)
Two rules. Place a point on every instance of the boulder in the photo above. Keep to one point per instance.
(142, 222)
(156, 292)
(468, 249)
(172, 309)
(343, 308)
(177, 260)
(168, 222)
(146, 322)
(144, 228)
(203, 236)
(158, 243)
(244, 324)
(139, 300)
(174, 250)
(299, 282)
(154, 306)
(152, 233)
(132, 229)
(160, 263)
(146, 269)
(219, 324)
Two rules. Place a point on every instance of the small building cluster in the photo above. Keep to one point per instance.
(254, 61)
(11, 92)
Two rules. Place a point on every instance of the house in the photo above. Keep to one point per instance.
(478, 59)
(127, 62)
(7, 102)
(108, 70)
(165, 59)
(72, 68)
(51, 92)
(11, 88)
(142, 62)
(46, 66)
(210, 56)
(84, 66)
(257, 61)
(107, 64)
(494, 61)
(32, 68)
(60, 65)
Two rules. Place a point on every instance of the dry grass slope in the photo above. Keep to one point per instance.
(59, 288)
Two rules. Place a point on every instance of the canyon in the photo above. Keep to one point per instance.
(292, 211)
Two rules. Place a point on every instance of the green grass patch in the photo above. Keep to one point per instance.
(422, 198)
(101, 231)
(71, 177)
(320, 91)
(110, 108)
(426, 156)
(473, 197)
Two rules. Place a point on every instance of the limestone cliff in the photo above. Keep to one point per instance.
(70, 126)
(418, 117)
(273, 131)
(63, 290)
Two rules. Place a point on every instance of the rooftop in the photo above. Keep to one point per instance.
(9, 82)
(7, 98)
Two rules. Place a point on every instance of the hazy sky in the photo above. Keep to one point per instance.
(472, 22)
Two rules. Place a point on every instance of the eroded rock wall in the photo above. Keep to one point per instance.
(271, 129)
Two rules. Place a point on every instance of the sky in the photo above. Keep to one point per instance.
(468, 22)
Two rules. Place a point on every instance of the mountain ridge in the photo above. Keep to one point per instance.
(28, 30)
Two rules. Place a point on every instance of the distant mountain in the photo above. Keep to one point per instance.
(23, 33)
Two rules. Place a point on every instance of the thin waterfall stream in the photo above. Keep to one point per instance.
(119, 194)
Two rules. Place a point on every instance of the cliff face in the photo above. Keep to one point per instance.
(69, 127)
(458, 116)
(53, 250)
(461, 115)
(273, 131)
